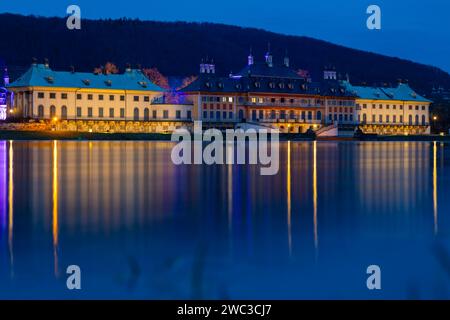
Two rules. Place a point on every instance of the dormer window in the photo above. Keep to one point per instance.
(207, 84)
(281, 85)
(108, 83)
(220, 85)
(290, 86)
(257, 84)
(49, 79)
(238, 86)
(87, 82)
(271, 85)
(304, 87)
(143, 84)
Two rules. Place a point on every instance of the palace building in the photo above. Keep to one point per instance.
(95, 102)
(391, 110)
(262, 95)
(4, 96)
(269, 95)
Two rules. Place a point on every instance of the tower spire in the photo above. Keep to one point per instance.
(286, 59)
(269, 58)
(250, 57)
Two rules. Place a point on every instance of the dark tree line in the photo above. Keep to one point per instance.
(176, 48)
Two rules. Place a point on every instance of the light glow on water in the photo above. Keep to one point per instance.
(117, 207)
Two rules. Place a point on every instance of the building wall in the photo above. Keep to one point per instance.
(382, 113)
(92, 104)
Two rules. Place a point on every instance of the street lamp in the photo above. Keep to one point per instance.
(434, 121)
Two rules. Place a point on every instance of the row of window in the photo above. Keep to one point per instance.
(261, 100)
(348, 103)
(388, 119)
(217, 99)
(100, 97)
(218, 115)
(224, 106)
(341, 117)
(111, 114)
(261, 115)
(394, 107)
(341, 109)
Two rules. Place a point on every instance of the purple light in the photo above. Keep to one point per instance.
(3, 184)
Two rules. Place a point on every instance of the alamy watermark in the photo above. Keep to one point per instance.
(74, 19)
(190, 148)
(374, 20)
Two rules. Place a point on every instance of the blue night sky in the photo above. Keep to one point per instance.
(416, 30)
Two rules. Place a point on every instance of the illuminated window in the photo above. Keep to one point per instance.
(253, 100)
(63, 112)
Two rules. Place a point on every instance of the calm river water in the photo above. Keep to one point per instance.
(140, 227)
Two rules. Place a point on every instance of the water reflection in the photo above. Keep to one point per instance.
(11, 206)
(127, 198)
(288, 183)
(435, 200)
(55, 207)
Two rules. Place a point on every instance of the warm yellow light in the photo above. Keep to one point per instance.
(55, 119)
(434, 118)
(315, 126)
(11, 111)
(90, 130)
(442, 134)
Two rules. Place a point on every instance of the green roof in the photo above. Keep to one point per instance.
(40, 75)
(403, 92)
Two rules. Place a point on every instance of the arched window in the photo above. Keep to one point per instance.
(417, 119)
(424, 120)
(319, 115)
(146, 114)
(291, 114)
(52, 111)
(136, 114)
(364, 117)
(309, 115)
(241, 114)
(40, 111)
(63, 112)
(410, 119)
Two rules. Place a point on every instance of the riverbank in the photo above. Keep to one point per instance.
(70, 135)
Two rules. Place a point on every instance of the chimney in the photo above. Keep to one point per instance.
(268, 56)
(329, 73)
(6, 76)
(250, 58)
(286, 60)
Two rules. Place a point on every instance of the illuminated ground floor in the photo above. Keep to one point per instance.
(390, 129)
